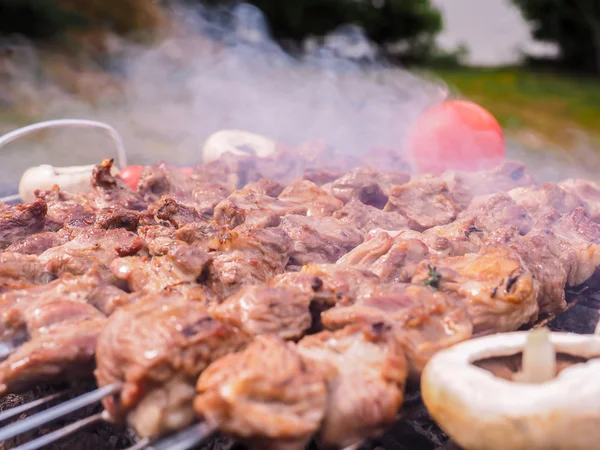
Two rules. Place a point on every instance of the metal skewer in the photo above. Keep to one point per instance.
(12, 412)
(185, 439)
(60, 433)
(57, 411)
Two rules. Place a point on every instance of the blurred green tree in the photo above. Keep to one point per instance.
(574, 25)
(414, 22)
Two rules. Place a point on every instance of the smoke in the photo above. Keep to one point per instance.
(222, 69)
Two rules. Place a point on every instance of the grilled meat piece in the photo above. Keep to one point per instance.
(264, 309)
(499, 290)
(20, 307)
(588, 193)
(465, 186)
(182, 264)
(162, 179)
(327, 284)
(264, 186)
(93, 248)
(320, 176)
(19, 221)
(266, 394)
(63, 335)
(117, 217)
(109, 190)
(392, 259)
(176, 213)
(537, 250)
(423, 319)
(308, 194)
(367, 184)
(366, 371)
(253, 208)
(66, 208)
(157, 238)
(157, 347)
(318, 239)
(205, 196)
(543, 200)
(233, 171)
(425, 202)
(497, 210)
(36, 244)
(580, 241)
(246, 258)
(18, 271)
(367, 218)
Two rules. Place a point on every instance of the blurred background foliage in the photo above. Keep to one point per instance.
(75, 38)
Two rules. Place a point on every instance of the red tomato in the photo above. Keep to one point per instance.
(187, 170)
(456, 135)
(131, 175)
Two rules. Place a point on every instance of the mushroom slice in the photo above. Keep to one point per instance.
(70, 179)
(237, 142)
(543, 406)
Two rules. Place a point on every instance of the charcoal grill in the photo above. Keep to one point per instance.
(413, 430)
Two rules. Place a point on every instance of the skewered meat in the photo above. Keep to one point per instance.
(18, 271)
(64, 207)
(588, 192)
(367, 218)
(541, 201)
(266, 393)
(425, 202)
(366, 372)
(117, 217)
(93, 248)
(246, 258)
(494, 211)
(182, 264)
(327, 284)
(262, 309)
(161, 179)
(423, 319)
(306, 193)
(581, 237)
(158, 346)
(254, 208)
(264, 186)
(63, 335)
(205, 196)
(499, 290)
(36, 244)
(391, 259)
(19, 221)
(108, 190)
(464, 186)
(176, 213)
(318, 239)
(369, 185)
(19, 307)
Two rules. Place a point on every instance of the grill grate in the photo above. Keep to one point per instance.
(415, 431)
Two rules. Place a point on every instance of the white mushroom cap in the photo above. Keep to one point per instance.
(481, 411)
(44, 177)
(237, 142)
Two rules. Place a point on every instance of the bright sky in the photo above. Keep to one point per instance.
(493, 30)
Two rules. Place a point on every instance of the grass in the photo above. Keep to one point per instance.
(551, 106)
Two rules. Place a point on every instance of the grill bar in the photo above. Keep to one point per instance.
(57, 411)
(186, 439)
(60, 433)
(29, 406)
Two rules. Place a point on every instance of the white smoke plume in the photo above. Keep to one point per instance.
(224, 71)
